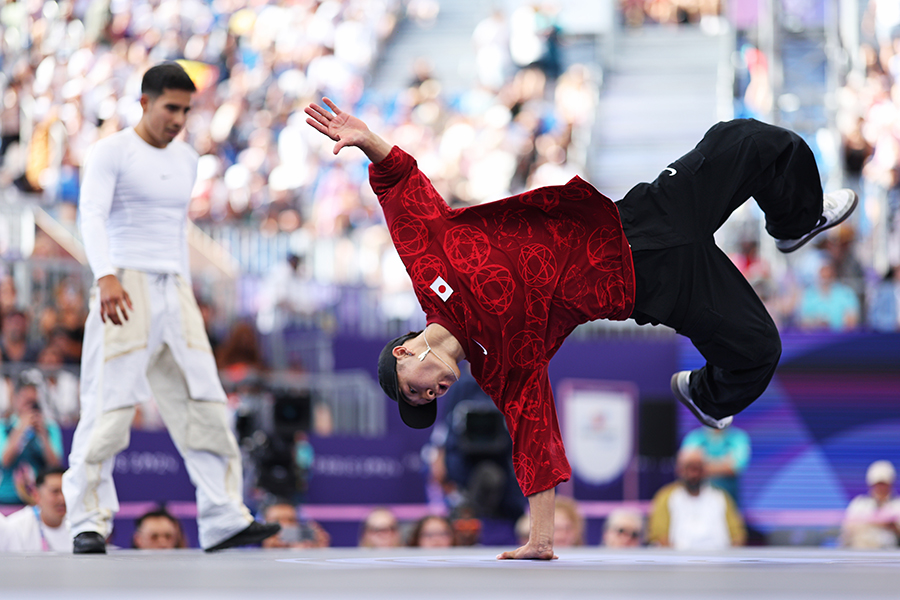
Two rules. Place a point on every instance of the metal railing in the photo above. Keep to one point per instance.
(342, 403)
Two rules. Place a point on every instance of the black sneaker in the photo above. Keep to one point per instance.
(682, 390)
(836, 207)
(253, 534)
(89, 542)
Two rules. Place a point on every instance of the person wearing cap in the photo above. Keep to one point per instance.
(503, 284)
(873, 520)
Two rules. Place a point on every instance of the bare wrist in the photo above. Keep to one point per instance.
(375, 148)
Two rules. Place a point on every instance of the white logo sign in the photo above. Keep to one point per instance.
(599, 440)
(442, 288)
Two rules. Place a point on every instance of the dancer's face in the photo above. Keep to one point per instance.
(421, 381)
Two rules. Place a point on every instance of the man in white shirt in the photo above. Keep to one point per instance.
(690, 514)
(39, 528)
(873, 520)
(144, 326)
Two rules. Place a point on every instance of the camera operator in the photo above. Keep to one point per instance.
(470, 454)
(272, 420)
(29, 442)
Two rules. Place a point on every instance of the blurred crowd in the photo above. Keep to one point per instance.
(868, 121)
(70, 74)
(639, 12)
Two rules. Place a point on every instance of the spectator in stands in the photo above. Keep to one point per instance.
(29, 441)
(624, 528)
(828, 304)
(14, 344)
(240, 355)
(466, 526)
(260, 172)
(158, 529)
(208, 312)
(72, 313)
(290, 296)
(40, 527)
(65, 345)
(6, 387)
(873, 520)
(840, 248)
(690, 514)
(884, 302)
(431, 532)
(380, 530)
(61, 387)
(727, 454)
(293, 534)
(8, 295)
(492, 59)
(568, 523)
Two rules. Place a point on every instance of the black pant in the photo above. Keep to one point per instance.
(686, 282)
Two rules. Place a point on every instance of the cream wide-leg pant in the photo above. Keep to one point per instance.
(163, 344)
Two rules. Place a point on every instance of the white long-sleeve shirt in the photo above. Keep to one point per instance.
(133, 205)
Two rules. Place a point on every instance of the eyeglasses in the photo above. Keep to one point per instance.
(388, 529)
(629, 532)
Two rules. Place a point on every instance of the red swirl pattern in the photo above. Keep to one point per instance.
(409, 235)
(537, 264)
(494, 288)
(467, 248)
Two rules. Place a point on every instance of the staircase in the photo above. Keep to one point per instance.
(661, 93)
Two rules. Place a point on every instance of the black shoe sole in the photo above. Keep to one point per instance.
(245, 538)
(89, 551)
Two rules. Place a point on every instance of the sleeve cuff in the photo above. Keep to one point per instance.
(387, 173)
(103, 273)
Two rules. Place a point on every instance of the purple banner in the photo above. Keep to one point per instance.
(385, 470)
(149, 470)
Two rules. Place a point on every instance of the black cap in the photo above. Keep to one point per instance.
(417, 417)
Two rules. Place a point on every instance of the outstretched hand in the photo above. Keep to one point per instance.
(343, 128)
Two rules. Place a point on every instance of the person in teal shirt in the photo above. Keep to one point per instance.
(29, 442)
(727, 453)
(829, 305)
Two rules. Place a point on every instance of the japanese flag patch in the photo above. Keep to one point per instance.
(441, 288)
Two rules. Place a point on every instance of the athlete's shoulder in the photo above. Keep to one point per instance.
(109, 150)
(113, 142)
(118, 140)
(184, 149)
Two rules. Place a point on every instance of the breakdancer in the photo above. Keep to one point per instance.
(502, 284)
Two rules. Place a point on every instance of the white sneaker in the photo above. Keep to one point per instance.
(836, 207)
(682, 390)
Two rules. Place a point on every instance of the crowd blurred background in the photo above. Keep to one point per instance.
(299, 229)
(288, 235)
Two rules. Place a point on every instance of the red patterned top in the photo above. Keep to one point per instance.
(510, 280)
